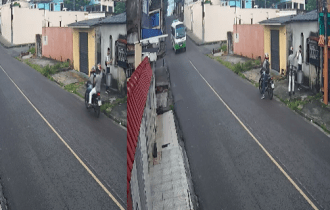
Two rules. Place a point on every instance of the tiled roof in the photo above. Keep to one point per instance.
(309, 16)
(137, 93)
(277, 21)
(116, 19)
(86, 23)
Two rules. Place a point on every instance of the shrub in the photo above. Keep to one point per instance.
(224, 48)
(257, 62)
(238, 67)
(248, 65)
(32, 50)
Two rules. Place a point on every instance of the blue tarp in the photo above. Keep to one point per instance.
(147, 33)
(154, 19)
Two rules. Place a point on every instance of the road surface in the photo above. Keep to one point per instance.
(53, 153)
(244, 152)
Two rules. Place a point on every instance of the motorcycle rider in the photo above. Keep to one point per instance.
(265, 74)
(291, 73)
(96, 81)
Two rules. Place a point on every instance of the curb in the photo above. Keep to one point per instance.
(122, 123)
(306, 117)
(16, 46)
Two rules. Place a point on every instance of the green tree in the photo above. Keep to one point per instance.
(78, 4)
(311, 5)
(120, 7)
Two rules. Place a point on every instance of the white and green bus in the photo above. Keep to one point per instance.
(178, 35)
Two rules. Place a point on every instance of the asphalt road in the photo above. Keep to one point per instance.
(230, 170)
(37, 169)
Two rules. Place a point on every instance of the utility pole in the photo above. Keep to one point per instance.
(203, 25)
(11, 23)
(320, 74)
(325, 69)
(74, 5)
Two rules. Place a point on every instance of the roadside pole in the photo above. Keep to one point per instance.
(11, 22)
(320, 75)
(325, 69)
(203, 29)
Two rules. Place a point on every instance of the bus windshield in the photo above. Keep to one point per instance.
(180, 31)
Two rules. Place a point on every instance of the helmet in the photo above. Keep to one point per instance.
(93, 69)
(266, 55)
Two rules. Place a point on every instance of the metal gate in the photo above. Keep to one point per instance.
(275, 50)
(83, 52)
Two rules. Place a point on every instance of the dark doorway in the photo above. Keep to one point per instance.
(39, 45)
(83, 52)
(99, 49)
(275, 50)
(230, 42)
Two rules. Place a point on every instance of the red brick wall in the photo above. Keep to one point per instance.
(137, 93)
(60, 43)
(251, 40)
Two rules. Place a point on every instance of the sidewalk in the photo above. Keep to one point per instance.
(169, 182)
(171, 187)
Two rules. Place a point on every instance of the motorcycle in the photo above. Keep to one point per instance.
(96, 100)
(269, 85)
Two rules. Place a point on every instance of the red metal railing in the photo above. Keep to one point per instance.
(137, 93)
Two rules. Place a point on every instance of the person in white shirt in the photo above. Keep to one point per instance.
(291, 70)
(108, 62)
(299, 57)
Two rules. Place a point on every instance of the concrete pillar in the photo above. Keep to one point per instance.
(138, 54)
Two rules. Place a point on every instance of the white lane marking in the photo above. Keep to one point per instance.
(256, 140)
(64, 142)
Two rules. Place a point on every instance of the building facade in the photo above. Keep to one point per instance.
(54, 5)
(100, 5)
(282, 33)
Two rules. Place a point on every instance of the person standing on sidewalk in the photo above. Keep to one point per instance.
(265, 74)
(299, 57)
(108, 63)
(291, 71)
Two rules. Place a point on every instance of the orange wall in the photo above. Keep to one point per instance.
(59, 44)
(250, 42)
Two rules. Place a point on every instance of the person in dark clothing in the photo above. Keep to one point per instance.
(265, 74)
